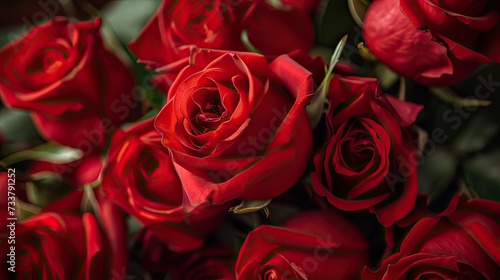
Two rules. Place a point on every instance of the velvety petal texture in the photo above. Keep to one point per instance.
(62, 73)
(140, 178)
(60, 242)
(291, 28)
(215, 262)
(369, 159)
(239, 25)
(212, 261)
(236, 126)
(436, 43)
(309, 245)
(307, 6)
(461, 243)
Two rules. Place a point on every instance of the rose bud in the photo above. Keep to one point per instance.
(436, 43)
(141, 179)
(237, 127)
(64, 76)
(75, 245)
(462, 244)
(369, 160)
(309, 245)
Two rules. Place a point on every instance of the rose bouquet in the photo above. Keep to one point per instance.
(250, 139)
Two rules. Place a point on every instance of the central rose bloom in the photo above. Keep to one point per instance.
(237, 127)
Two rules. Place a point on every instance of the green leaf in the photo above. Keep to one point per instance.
(386, 76)
(16, 125)
(45, 188)
(25, 209)
(18, 131)
(334, 22)
(127, 18)
(483, 176)
(47, 152)
(436, 172)
(476, 135)
(316, 109)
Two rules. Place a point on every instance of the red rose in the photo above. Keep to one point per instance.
(369, 160)
(433, 42)
(310, 245)
(307, 6)
(276, 29)
(43, 183)
(73, 174)
(216, 262)
(461, 245)
(75, 246)
(237, 127)
(178, 26)
(61, 72)
(141, 179)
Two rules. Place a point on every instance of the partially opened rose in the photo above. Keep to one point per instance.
(275, 29)
(309, 245)
(464, 244)
(141, 179)
(61, 243)
(67, 240)
(369, 160)
(237, 127)
(178, 26)
(71, 84)
(434, 42)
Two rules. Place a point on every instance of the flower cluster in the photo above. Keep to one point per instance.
(246, 157)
